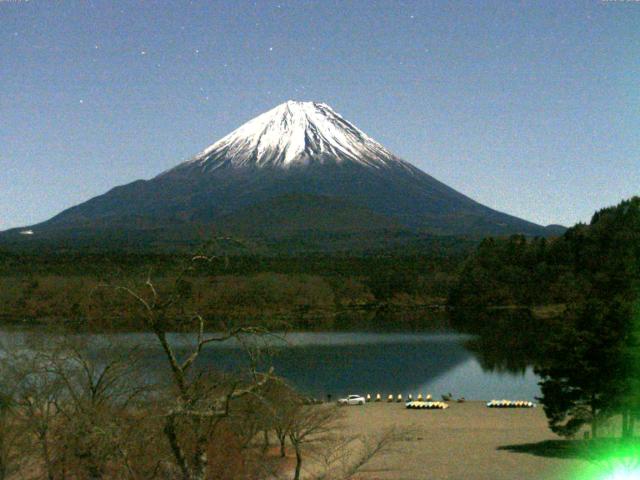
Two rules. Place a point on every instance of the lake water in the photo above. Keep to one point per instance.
(338, 364)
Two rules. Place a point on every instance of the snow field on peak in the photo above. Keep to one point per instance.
(295, 133)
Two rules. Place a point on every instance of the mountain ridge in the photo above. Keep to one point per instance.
(296, 148)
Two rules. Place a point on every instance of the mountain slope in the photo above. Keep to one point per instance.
(286, 215)
(298, 151)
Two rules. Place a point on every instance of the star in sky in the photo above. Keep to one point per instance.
(434, 80)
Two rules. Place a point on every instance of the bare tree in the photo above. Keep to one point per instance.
(71, 405)
(346, 456)
(316, 432)
(99, 394)
(311, 425)
(76, 409)
(10, 434)
(199, 403)
(280, 405)
(37, 395)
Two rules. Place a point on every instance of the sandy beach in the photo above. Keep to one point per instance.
(465, 442)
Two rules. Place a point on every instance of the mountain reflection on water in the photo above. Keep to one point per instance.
(491, 363)
(508, 341)
(339, 363)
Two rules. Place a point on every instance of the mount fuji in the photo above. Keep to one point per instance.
(298, 168)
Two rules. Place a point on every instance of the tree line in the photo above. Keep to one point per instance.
(589, 359)
(65, 286)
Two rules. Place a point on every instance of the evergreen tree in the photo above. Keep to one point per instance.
(592, 369)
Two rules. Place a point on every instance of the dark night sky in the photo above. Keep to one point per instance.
(529, 107)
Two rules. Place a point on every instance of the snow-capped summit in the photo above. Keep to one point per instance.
(294, 133)
(298, 169)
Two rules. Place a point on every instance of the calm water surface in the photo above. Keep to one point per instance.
(356, 362)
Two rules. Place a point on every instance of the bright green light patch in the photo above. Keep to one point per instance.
(610, 461)
(624, 473)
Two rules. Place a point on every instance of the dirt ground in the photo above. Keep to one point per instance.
(465, 442)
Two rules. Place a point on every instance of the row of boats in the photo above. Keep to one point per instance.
(417, 405)
(510, 404)
(399, 398)
(491, 404)
(426, 402)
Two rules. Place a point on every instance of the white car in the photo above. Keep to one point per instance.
(352, 400)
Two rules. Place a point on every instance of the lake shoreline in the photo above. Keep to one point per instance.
(373, 317)
(404, 318)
